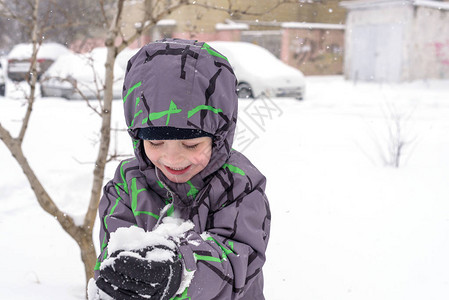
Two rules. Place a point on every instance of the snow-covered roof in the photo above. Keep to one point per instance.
(360, 4)
(363, 4)
(303, 25)
(166, 22)
(231, 26)
(291, 24)
(160, 23)
(432, 4)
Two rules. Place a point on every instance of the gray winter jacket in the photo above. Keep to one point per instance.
(187, 84)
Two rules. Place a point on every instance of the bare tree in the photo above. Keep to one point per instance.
(395, 141)
(81, 234)
(115, 42)
(59, 20)
(399, 139)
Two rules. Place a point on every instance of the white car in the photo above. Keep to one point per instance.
(260, 72)
(20, 56)
(75, 75)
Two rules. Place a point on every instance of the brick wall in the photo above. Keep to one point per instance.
(315, 51)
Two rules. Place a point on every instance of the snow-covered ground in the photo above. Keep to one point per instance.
(344, 225)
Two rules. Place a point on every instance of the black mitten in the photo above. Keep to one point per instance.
(115, 292)
(155, 271)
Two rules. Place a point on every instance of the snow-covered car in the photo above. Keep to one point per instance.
(19, 59)
(75, 75)
(258, 71)
(2, 79)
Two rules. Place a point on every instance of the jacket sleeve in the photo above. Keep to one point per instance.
(114, 212)
(227, 259)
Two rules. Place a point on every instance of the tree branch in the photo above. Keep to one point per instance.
(25, 121)
(33, 79)
(230, 10)
(105, 134)
(103, 12)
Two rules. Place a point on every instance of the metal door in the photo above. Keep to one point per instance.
(376, 53)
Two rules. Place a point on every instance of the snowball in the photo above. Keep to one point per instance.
(173, 227)
(160, 255)
(134, 238)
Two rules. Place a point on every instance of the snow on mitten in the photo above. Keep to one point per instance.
(144, 264)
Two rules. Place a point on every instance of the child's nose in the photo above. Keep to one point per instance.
(173, 154)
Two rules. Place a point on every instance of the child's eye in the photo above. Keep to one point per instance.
(153, 144)
(190, 146)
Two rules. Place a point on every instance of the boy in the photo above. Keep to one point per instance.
(200, 205)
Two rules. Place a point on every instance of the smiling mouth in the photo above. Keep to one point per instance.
(177, 171)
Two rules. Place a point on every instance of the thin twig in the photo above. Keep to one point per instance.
(245, 11)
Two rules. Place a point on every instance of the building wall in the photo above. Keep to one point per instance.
(314, 51)
(269, 39)
(311, 12)
(196, 20)
(429, 55)
(375, 43)
(413, 38)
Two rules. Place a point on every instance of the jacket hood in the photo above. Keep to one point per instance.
(182, 84)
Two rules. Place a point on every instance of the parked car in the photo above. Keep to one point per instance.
(258, 71)
(75, 75)
(2, 79)
(19, 59)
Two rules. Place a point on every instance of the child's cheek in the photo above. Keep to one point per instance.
(201, 158)
(197, 159)
(205, 156)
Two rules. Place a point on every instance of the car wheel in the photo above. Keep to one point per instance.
(2, 89)
(244, 90)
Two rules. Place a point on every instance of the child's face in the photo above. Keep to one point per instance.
(179, 160)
